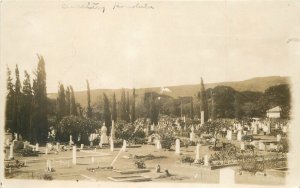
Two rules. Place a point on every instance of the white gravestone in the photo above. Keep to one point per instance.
(71, 141)
(124, 145)
(278, 138)
(104, 138)
(239, 135)
(46, 149)
(261, 146)
(81, 146)
(202, 117)
(192, 136)
(243, 146)
(206, 160)
(111, 144)
(74, 155)
(197, 158)
(57, 146)
(229, 135)
(36, 147)
(11, 152)
(158, 144)
(177, 146)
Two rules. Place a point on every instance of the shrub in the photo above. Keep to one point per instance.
(47, 176)
(140, 164)
(186, 159)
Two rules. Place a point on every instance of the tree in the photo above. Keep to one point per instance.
(123, 106)
(26, 107)
(223, 99)
(17, 105)
(61, 106)
(203, 101)
(133, 107)
(89, 112)
(127, 108)
(106, 113)
(9, 103)
(68, 101)
(114, 108)
(192, 109)
(40, 103)
(73, 108)
(278, 96)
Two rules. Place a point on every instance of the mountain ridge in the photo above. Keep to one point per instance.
(259, 84)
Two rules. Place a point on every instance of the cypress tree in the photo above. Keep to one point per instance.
(89, 108)
(73, 107)
(133, 106)
(40, 104)
(68, 101)
(127, 108)
(192, 108)
(123, 106)
(9, 102)
(17, 104)
(61, 105)
(114, 108)
(106, 113)
(203, 101)
(26, 107)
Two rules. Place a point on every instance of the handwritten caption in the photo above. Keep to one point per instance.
(95, 5)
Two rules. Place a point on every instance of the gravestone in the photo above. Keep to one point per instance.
(255, 129)
(36, 147)
(46, 149)
(197, 158)
(206, 160)
(71, 141)
(74, 155)
(11, 152)
(239, 135)
(192, 136)
(57, 146)
(261, 146)
(111, 144)
(124, 145)
(158, 144)
(177, 146)
(81, 146)
(243, 146)
(112, 131)
(103, 138)
(278, 138)
(202, 117)
(229, 135)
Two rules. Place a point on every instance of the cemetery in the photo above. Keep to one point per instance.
(167, 154)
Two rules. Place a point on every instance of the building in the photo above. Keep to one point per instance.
(274, 112)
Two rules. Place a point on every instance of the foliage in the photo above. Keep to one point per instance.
(167, 137)
(89, 111)
(47, 176)
(140, 164)
(28, 152)
(106, 113)
(75, 126)
(186, 159)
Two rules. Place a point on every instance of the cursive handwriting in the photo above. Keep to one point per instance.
(86, 5)
(137, 5)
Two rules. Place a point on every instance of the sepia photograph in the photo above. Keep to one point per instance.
(149, 93)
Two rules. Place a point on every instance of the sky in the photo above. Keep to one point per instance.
(166, 43)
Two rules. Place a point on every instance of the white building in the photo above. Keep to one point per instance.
(274, 112)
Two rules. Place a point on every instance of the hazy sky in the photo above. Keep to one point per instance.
(170, 44)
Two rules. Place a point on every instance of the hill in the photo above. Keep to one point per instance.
(259, 84)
